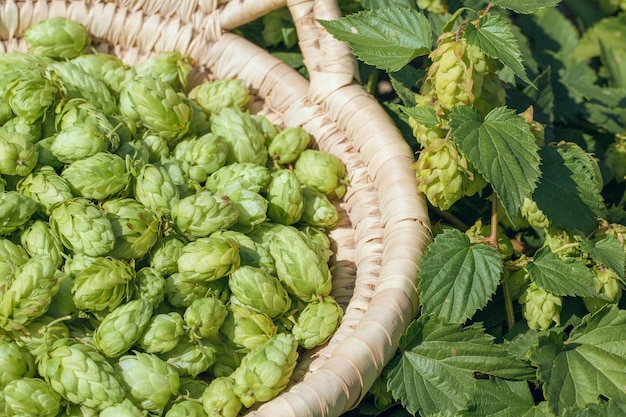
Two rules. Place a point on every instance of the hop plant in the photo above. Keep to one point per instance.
(457, 71)
(540, 308)
(120, 329)
(136, 227)
(215, 95)
(260, 291)
(149, 381)
(265, 371)
(57, 37)
(81, 375)
(219, 398)
(607, 287)
(45, 187)
(204, 317)
(31, 397)
(445, 175)
(82, 226)
(163, 333)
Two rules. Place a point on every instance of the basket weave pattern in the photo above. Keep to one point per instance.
(385, 227)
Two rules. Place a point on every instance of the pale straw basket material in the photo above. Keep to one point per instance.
(385, 226)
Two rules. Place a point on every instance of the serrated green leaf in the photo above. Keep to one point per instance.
(526, 6)
(503, 150)
(604, 409)
(424, 115)
(501, 398)
(568, 180)
(447, 27)
(387, 38)
(457, 278)
(495, 38)
(608, 252)
(541, 98)
(437, 367)
(613, 60)
(589, 364)
(563, 277)
(377, 4)
(608, 31)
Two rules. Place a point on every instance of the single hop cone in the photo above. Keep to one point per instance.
(444, 175)
(457, 71)
(540, 308)
(533, 214)
(607, 287)
(433, 6)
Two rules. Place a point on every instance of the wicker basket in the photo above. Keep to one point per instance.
(385, 227)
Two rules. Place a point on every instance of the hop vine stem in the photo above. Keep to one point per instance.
(493, 241)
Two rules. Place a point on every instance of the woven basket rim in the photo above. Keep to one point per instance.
(386, 212)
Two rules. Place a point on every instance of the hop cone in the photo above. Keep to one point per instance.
(124, 409)
(608, 288)
(15, 211)
(615, 158)
(299, 267)
(103, 285)
(150, 382)
(245, 142)
(81, 375)
(157, 147)
(31, 397)
(46, 187)
(162, 333)
(209, 258)
(17, 157)
(250, 253)
(136, 227)
(213, 96)
(135, 152)
(41, 333)
(319, 241)
(251, 206)
(434, 6)
(248, 175)
(31, 95)
(98, 177)
(457, 71)
(106, 67)
(122, 327)
(190, 358)
(321, 171)
(203, 213)
(30, 293)
(80, 112)
(78, 141)
(318, 210)
(533, 214)
(57, 37)
(424, 135)
(186, 408)
(202, 155)
(540, 308)
(264, 372)
(182, 289)
(165, 253)
(204, 317)
(250, 328)
(16, 363)
(155, 189)
(38, 239)
(220, 400)
(259, 290)
(150, 286)
(82, 226)
(317, 322)
(170, 67)
(284, 198)
(176, 171)
(156, 105)
(287, 145)
(77, 83)
(444, 175)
